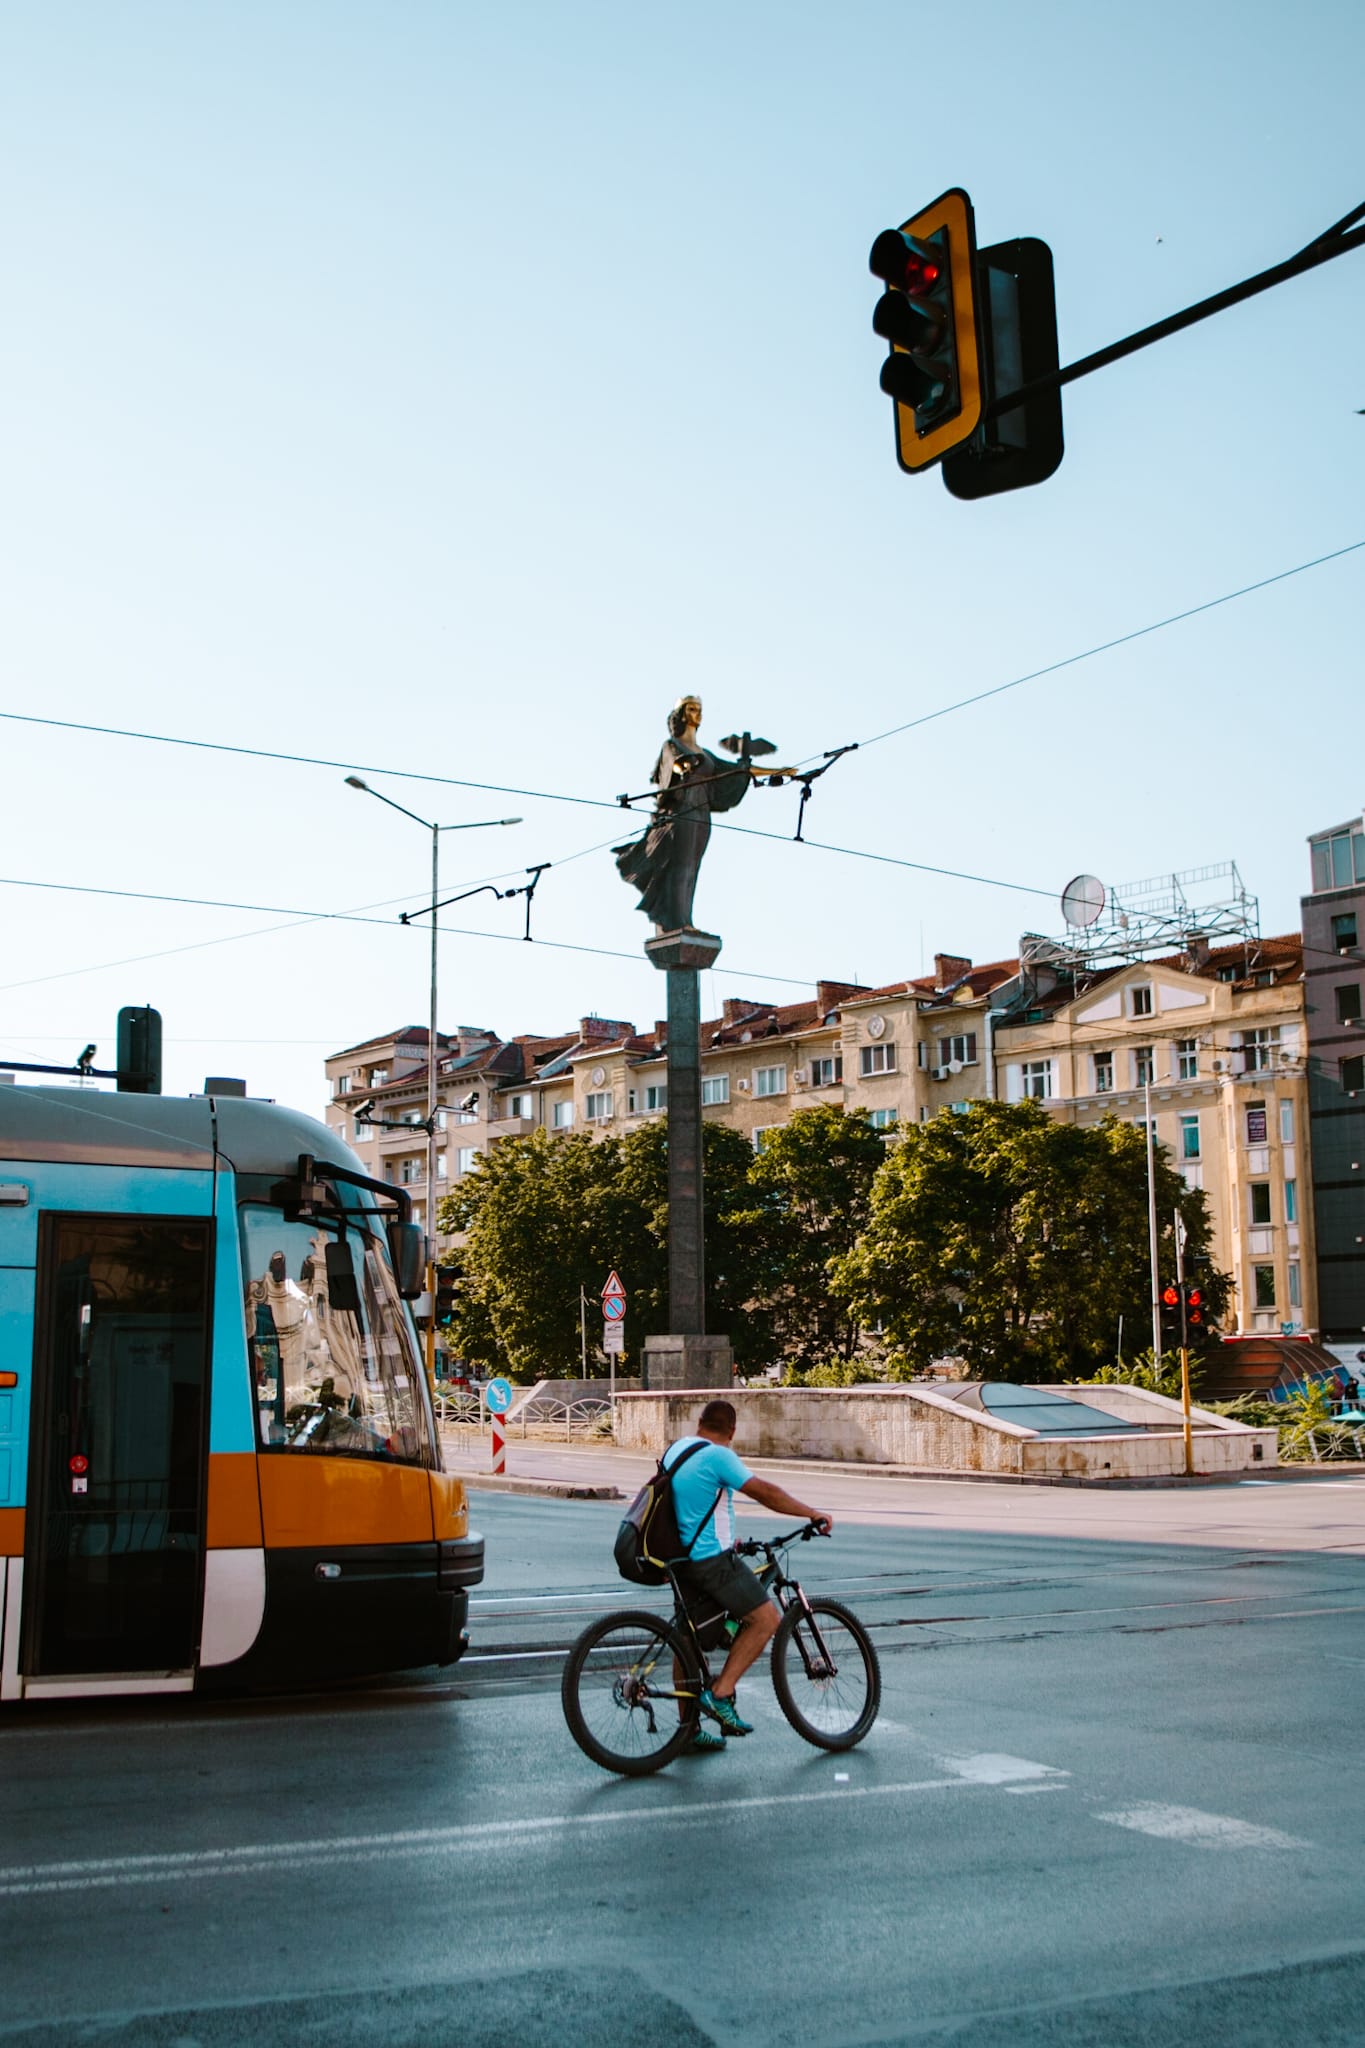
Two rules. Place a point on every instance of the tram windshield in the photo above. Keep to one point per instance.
(328, 1378)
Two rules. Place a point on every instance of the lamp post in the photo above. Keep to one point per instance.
(474, 825)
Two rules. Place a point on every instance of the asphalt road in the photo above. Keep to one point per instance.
(1114, 1797)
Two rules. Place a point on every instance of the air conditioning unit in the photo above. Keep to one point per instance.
(801, 1075)
(941, 1073)
(1217, 1066)
(743, 1087)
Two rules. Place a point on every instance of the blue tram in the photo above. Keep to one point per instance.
(219, 1465)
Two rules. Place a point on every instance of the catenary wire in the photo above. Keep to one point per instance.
(600, 803)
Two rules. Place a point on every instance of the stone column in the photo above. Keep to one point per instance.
(686, 1357)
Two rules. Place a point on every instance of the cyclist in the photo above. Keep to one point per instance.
(712, 1576)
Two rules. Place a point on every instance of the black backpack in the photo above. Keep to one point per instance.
(648, 1538)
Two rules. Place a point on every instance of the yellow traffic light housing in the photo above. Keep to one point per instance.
(929, 315)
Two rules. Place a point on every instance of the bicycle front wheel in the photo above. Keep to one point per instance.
(826, 1675)
(625, 1707)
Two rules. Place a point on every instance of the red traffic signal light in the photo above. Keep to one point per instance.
(1170, 1297)
(1195, 1316)
(929, 315)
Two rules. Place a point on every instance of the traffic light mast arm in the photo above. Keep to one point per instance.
(1335, 242)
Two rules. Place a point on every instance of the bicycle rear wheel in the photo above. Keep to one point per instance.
(826, 1675)
(624, 1707)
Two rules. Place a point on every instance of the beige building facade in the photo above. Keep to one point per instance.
(1218, 1043)
(1216, 1047)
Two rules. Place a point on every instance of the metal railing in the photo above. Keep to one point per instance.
(462, 1416)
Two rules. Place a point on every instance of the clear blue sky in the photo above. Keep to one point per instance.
(449, 387)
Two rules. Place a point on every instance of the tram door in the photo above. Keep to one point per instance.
(117, 1478)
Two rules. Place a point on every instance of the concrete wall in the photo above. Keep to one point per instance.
(918, 1427)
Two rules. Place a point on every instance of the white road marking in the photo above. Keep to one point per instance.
(1049, 1785)
(990, 1769)
(1199, 1830)
(109, 1872)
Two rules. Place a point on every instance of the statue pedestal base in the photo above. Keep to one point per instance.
(671, 1363)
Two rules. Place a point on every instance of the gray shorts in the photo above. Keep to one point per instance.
(720, 1585)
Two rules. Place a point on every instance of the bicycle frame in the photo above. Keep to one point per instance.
(781, 1587)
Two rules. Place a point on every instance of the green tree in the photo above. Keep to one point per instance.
(542, 1216)
(1014, 1242)
(533, 1217)
(811, 1195)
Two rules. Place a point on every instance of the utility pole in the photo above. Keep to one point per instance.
(1184, 1346)
(1151, 1222)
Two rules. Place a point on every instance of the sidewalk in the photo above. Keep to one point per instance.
(1301, 1507)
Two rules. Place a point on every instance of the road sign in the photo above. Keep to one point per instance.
(613, 1286)
(497, 1396)
(614, 1337)
(614, 1308)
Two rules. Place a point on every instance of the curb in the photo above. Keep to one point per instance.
(555, 1489)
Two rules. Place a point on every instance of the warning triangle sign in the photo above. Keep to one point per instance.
(613, 1285)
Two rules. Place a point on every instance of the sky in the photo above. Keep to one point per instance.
(444, 389)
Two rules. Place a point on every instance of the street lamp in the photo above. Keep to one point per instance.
(474, 825)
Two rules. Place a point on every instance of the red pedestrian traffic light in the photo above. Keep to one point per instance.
(928, 314)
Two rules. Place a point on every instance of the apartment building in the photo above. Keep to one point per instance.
(1211, 1043)
(1334, 985)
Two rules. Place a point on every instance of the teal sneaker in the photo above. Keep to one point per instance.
(726, 1712)
(707, 1741)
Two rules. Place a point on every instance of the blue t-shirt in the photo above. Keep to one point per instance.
(706, 1473)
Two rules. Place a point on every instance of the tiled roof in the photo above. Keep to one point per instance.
(407, 1034)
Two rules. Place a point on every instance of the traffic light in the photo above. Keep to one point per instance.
(928, 315)
(1018, 316)
(138, 1063)
(1196, 1310)
(1169, 1303)
(447, 1287)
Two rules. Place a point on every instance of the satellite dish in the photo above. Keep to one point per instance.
(1083, 900)
(955, 1066)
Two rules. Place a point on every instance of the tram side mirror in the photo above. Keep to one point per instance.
(342, 1291)
(408, 1252)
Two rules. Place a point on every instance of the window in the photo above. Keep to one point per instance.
(1140, 1123)
(715, 1088)
(466, 1116)
(1333, 864)
(656, 1096)
(562, 1116)
(770, 1081)
(343, 1085)
(1353, 1073)
(1189, 1137)
(1038, 1079)
(412, 1116)
(465, 1157)
(1343, 933)
(328, 1381)
(363, 1133)
(1291, 1201)
(442, 1120)
(1256, 1129)
(921, 1054)
(1295, 1286)
(1144, 1065)
(597, 1106)
(1348, 1002)
(1104, 1072)
(758, 1138)
(521, 1105)
(825, 1072)
(882, 1119)
(1259, 1049)
(440, 1166)
(1286, 1122)
(1260, 1201)
(1187, 1059)
(1264, 1279)
(961, 1048)
(412, 1172)
(876, 1059)
(378, 1076)
(1142, 1002)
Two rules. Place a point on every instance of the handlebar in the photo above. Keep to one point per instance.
(752, 1545)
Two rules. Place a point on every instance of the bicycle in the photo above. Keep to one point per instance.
(632, 1684)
